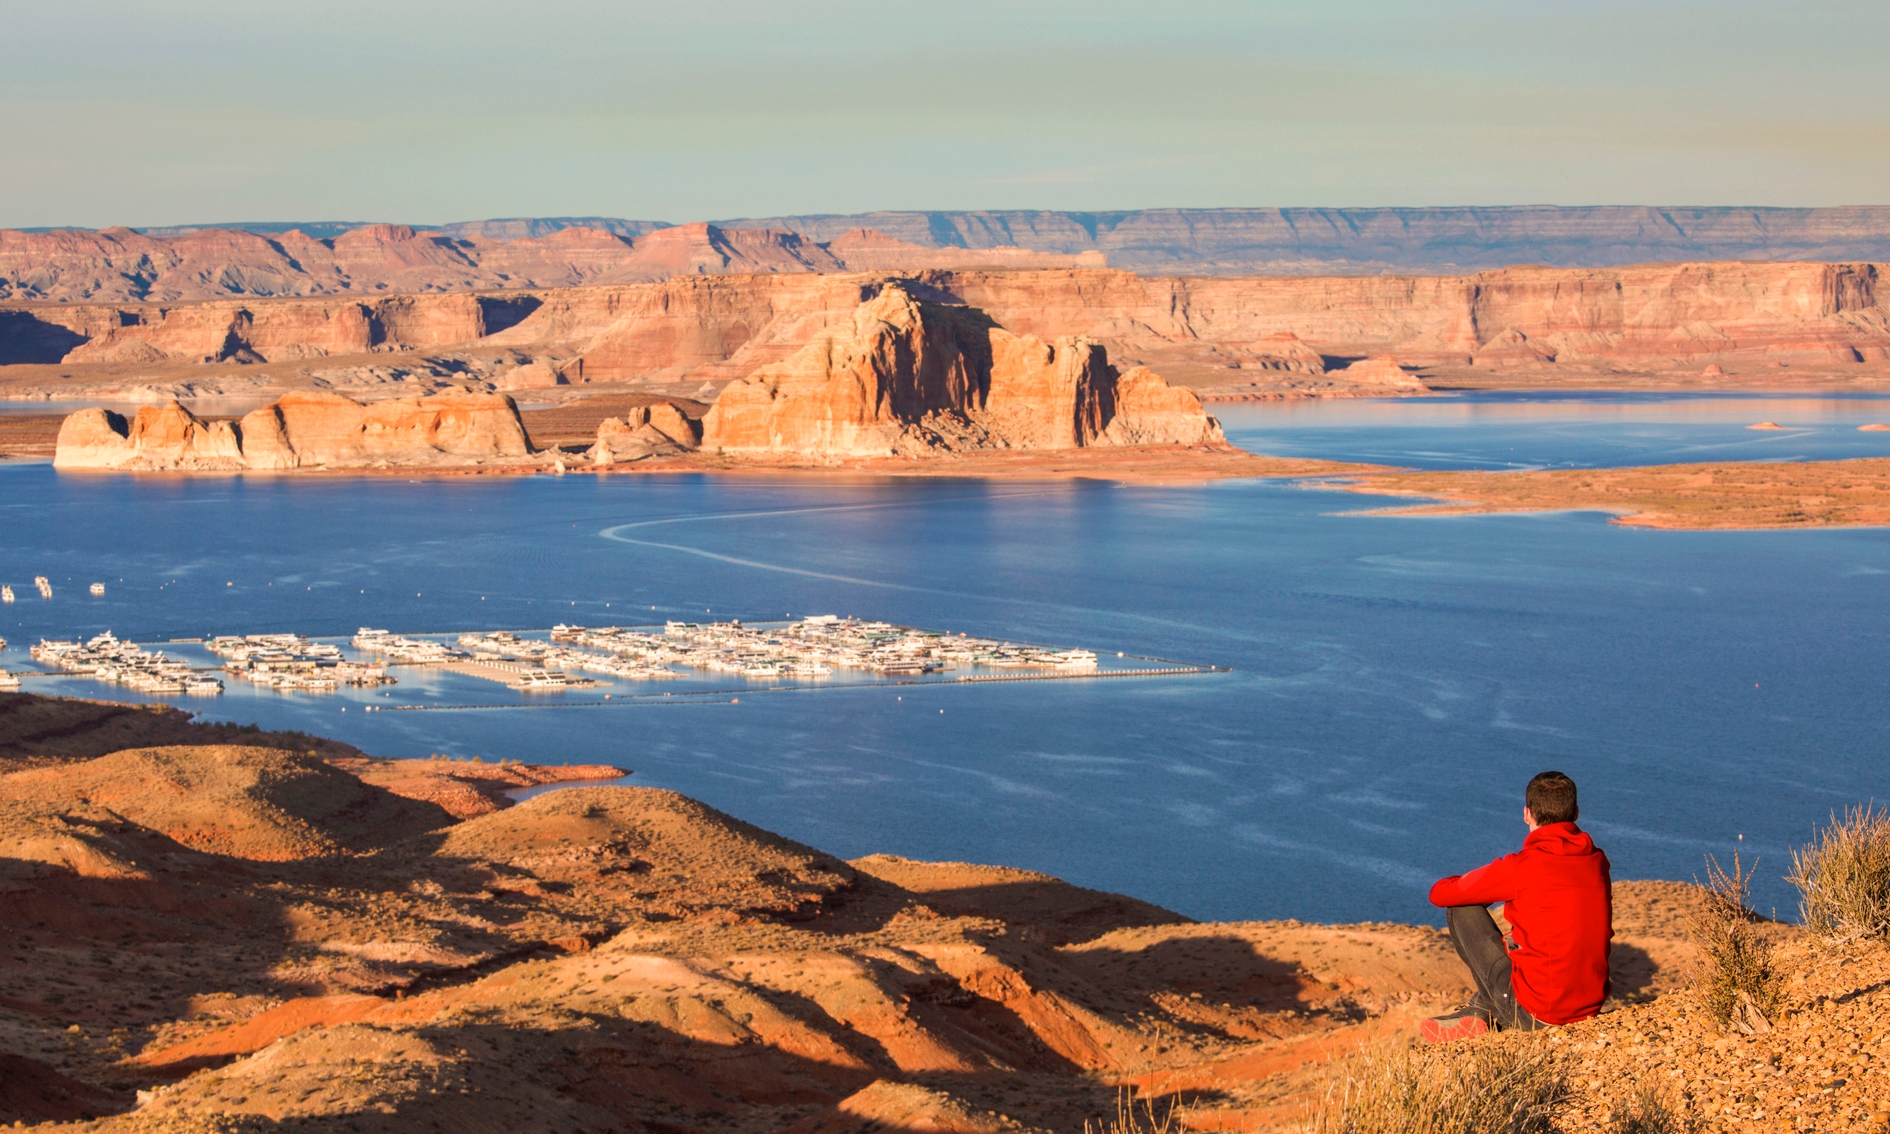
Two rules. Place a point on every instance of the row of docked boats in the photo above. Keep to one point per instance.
(105, 657)
(290, 662)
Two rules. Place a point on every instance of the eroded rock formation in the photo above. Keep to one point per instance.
(647, 431)
(301, 430)
(159, 437)
(903, 377)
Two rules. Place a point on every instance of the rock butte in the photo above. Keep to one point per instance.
(906, 378)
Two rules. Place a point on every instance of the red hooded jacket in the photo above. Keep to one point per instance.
(1558, 899)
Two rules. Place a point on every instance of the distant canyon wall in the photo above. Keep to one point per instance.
(119, 265)
(1453, 240)
(1300, 241)
(1212, 333)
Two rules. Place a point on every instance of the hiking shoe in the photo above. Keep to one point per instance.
(1459, 1025)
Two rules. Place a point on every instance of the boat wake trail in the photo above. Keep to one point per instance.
(759, 566)
(615, 534)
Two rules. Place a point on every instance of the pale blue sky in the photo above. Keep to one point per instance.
(151, 113)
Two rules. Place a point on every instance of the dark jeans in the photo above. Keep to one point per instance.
(1473, 931)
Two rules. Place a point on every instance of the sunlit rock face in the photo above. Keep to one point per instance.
(911, 378)
(302, 430)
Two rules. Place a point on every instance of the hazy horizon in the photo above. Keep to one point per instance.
(421, 224)
(200, 111)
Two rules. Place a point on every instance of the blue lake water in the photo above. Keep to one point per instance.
(1396, 680)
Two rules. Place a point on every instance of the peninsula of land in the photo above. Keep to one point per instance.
(217, 928)
(1725, 495)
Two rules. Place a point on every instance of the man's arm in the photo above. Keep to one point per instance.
(1481, 887)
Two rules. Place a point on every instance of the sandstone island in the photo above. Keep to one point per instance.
(896, 384)
(213, 927)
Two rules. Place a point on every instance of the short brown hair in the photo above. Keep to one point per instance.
(1550, 797)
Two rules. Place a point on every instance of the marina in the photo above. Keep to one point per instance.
(108, 659)
(802, 654)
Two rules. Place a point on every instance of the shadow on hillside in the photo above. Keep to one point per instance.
(27, 340)
(1051, 911)
(1216, 984)
(502, 313)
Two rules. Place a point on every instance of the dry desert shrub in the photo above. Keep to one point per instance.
(1148, 1119)
(1651, 1113)
(1733, 974)
(1506, 1085)
(1843, 876)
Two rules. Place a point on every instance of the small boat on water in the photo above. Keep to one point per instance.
(6, 594)
(98, 588)
(542, 681)
(8, 682)
(203, 687)
(44, 584)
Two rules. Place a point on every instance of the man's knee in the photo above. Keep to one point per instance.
(1470, 922)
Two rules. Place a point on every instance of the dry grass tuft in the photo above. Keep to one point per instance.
(1149, 1119)
(1843, 876)
(1734, 975)
(1652, 1113)
(1506, 1085)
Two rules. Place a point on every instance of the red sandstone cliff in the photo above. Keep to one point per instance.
(1224, 330)
(1222, 336)
(902, 377)
(302, 430)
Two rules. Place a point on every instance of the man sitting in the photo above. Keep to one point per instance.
(1553, 966)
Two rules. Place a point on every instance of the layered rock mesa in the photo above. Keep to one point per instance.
(1277, 332)
(118, 265)
(902, 377)
(1313, 241)
(301, 430)
(1319, 241)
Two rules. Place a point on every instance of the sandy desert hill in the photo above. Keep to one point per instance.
(271, 940)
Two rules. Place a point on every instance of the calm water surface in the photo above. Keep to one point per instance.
(1396, 679)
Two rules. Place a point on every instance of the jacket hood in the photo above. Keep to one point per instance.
(1559, 838)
